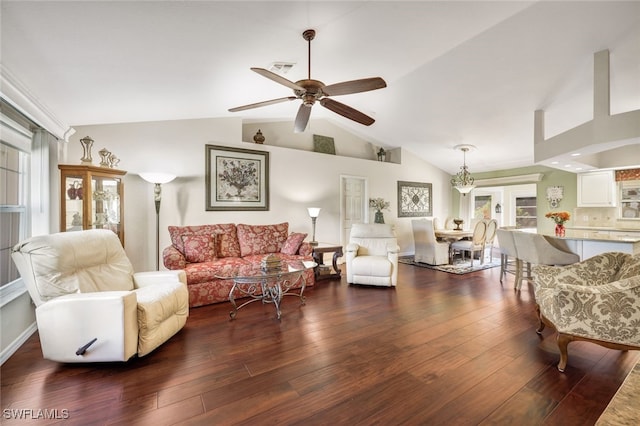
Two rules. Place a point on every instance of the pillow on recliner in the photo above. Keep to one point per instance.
(293, 243)
(199, 248)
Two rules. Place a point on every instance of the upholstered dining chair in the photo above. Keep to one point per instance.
(490, 236)
(90, 305)
(535, 249)
(595, 300)
(474, 245)
(427, 248)
(449, 223)
(509, 262)
(372, 255)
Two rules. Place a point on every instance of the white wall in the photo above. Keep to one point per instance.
(298, 179)
(281, 134)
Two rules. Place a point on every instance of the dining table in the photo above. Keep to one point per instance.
(452, 235)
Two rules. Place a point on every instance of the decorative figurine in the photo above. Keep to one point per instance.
(113, 161)
(258, 137)
(104, 156)
(86, 143)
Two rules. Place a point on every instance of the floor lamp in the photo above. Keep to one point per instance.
(158, 179)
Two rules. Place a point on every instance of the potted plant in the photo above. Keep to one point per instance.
(559, 218)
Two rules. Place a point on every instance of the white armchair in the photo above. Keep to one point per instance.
(427, 249)
(372, 255)
(90, 305)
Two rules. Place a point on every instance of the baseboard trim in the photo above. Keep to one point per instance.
(15, 345)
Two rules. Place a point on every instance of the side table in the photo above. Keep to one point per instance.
(318, 257)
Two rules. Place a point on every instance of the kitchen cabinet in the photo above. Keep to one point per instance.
(91, 198)
(597, 189)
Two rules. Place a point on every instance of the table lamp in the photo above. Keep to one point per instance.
(314, 212)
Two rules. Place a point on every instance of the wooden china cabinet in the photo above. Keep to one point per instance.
(91, 197)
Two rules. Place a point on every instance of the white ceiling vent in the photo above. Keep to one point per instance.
(281, 67)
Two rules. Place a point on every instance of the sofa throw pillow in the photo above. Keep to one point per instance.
(227, 244)
(293, 243)
(262, 239)
(199, 248)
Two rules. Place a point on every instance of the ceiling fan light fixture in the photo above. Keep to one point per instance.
(463, 181)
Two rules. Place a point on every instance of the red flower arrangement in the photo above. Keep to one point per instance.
(558, 217)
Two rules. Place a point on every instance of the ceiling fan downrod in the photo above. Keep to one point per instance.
(309, 35)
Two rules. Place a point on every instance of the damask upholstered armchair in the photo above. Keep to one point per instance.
(596, 300)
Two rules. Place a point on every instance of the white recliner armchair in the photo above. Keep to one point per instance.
(372, 255)
(90, 305)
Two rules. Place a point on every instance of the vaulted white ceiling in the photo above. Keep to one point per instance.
(457, 72)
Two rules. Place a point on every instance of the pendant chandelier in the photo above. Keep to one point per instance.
(463, 181)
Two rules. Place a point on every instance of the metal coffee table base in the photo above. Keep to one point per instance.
(265, 289)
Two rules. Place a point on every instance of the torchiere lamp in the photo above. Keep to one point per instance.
(314, 212)
(158, 179)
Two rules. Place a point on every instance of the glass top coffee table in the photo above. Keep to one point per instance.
(268, 285)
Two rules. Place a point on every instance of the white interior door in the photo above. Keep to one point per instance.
(354, 204)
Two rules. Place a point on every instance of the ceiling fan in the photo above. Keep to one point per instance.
(310, 91)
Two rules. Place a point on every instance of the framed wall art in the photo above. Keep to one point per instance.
(236, 178)
(414, 199)
(324, 144)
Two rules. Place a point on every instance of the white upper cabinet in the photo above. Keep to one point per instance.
(597, 189)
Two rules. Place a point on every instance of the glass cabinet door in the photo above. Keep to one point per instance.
(91, 198)
(105, 206)
(73, 203)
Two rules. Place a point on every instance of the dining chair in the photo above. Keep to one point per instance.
(474, 245)
(535, 249)
(427, 248)
(509, 262)
(492, 226)
(449, 223)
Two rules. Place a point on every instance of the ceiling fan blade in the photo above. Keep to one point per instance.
(346, 111)
(354, 86)
(302, 118)
(263, 103)
(278, 79)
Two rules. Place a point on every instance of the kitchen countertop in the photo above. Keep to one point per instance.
(602, 228)
(575, 235)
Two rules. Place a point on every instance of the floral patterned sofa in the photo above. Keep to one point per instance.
(596, 300)
(205, 251)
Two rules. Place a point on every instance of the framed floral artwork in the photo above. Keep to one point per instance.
(414, 199)
(236, 178)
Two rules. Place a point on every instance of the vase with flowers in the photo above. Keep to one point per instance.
(559, 218)
(379, 204)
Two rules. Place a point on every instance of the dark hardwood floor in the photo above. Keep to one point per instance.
(440, 349)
